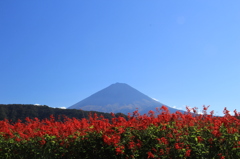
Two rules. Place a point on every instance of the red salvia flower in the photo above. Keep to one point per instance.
(187, 154)
(150, 155)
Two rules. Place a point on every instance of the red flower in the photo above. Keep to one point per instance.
(199, 139)
(221, 156)
(161, 151)
(164, 108)
(17, 139)
(188, 153)
(205, 108)
(139, 143)
(119, 150)
(178, 145)
(42, 142)
(163, 140)
(210, 140)
(150, 155)
(131, 145)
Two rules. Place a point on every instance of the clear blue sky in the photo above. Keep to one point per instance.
(182, 53)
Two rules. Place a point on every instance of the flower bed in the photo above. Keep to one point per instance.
(148, 136)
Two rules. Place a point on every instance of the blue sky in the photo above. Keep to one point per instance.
(182, 53)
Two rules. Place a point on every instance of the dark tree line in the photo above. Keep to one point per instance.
(14, 112)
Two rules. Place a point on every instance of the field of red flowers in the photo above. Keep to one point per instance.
(161, 135)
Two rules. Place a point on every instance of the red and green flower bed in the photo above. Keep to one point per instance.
(160, 136)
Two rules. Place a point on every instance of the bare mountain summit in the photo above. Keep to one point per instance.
(119, 98)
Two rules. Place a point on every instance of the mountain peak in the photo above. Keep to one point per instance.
(120, 84)
(118, 97)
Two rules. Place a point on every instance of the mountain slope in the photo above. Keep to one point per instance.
(119, 97)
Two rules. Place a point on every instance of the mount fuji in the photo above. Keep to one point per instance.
(120, 98)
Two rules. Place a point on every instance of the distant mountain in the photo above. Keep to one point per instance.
(119, 97)
(14, 112)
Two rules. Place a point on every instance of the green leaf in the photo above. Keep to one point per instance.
(196, 139)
